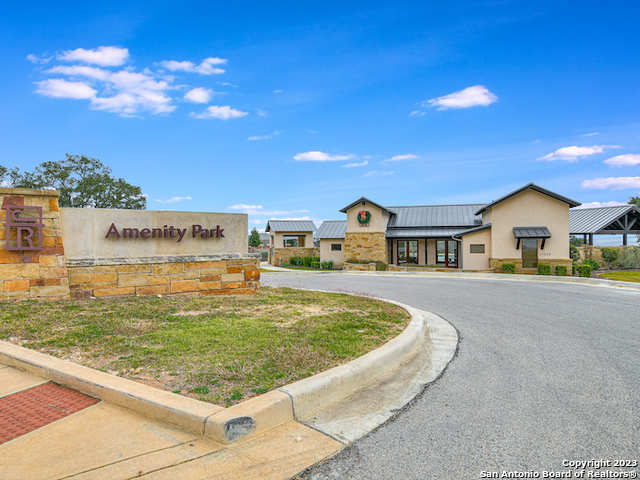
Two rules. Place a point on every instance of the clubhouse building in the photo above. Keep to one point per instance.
(525, 227)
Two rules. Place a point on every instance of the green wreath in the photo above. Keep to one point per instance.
(364, 216)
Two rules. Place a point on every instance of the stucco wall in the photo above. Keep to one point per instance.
(327, 255)
(476, 261)
(377, 223)
(85, 232)
(532, 209)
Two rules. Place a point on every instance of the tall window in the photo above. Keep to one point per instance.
(407, 252)
(529, 253)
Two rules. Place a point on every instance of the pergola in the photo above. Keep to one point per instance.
(621, 220)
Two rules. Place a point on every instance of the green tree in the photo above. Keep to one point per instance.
(82, 181)
(3, 173)
(576, 241)
(254, 238)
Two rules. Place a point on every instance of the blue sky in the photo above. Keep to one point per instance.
(295, 109)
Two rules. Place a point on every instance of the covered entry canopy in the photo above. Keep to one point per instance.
(620, 220)
(531, 232)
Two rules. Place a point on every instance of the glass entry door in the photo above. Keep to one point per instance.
(529, 253)
(407, 252)
(447, 253)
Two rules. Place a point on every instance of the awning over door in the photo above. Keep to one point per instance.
(531, 232)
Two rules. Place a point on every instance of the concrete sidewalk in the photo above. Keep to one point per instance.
(105, 441)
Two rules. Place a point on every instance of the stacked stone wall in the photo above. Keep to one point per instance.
(198, 275)
(359, 267)
(35, 274)
(496, 265)
(366, 246)
(284, 254)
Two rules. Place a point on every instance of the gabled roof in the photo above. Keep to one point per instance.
(602, 219)
(332, 229)
(435, 216)
(290, 226)
(365, 199)
(532, 186)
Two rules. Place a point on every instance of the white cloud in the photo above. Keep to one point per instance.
(417, 113)
(474, 96)
(355, 164)
(259, 210)
(174, 200)
(199, 95)
(277, 91)
(612, 183)
(315, 156)
(376, 173)
(223, 113)
(398, 158)
(34, 59)
(612, 203)
(256, 222)
(205, 68)
(265, 137)
(627, 160)
(261, 113)
(591, 134)
(103, 56)
(81, 71)
(572, 154)
(60, 88)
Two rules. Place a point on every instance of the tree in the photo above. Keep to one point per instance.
(254, 238)
(83, 182)
(575, 241)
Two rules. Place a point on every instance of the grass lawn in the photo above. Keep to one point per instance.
(218, 349)
(623, 276)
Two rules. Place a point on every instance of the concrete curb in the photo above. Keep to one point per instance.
(313, 393)
(598, 282)
(252, 417)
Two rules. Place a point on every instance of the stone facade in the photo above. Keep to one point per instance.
(35, 274)
(496, 265)
(190, 276)
(589, 251)
(284, 254)
(359, 267)
(366, 246)
(402, 268)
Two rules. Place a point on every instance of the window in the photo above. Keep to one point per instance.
(289, 241)
(407, 252)
(478, 248)
(336, 247)
(529, 253)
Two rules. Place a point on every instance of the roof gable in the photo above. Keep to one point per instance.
(601, 219)
(365, 199)
(530, 186)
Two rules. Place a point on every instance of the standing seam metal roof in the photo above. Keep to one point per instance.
(332, 229)
(436, 216)
(290, 226)
(595, 220)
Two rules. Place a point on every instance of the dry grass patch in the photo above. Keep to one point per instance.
(221, 350)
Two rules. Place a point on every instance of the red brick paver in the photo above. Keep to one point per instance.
(36, 407)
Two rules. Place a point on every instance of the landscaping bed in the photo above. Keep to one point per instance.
(221, 350)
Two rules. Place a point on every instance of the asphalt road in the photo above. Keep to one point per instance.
(544, 373)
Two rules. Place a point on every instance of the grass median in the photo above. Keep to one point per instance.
(221, 350)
